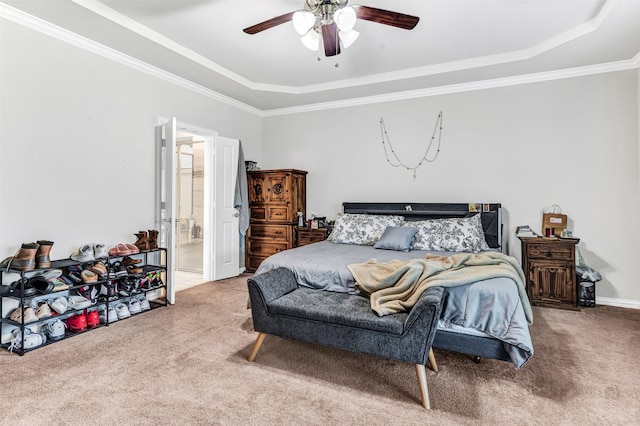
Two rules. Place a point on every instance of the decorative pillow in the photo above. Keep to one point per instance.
(396, 238)
(456, 234)
(362, 229)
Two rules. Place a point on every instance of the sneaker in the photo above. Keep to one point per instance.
(77, 323)
(43, 311)
(89, 292)
(144, 303)
(55, 329)
(100, 250)
(27, 312)
(134, 306)
(78, 302)
(83, 254)
(59, 284)
(121, 271)
(59, 304)
(50, 274)
(105, 315)
(27, 341)
(93, 318)
(88, 276)
(108, 292)
(122, 311)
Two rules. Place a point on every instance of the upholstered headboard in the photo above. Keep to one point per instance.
(491, 214)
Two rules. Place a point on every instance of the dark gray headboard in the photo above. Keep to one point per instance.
(491, 214)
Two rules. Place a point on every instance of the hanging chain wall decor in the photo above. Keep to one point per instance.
(425, 157)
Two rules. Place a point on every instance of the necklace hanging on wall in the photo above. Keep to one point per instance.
(425, 157)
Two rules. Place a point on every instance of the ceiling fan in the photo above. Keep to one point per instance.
(333, 21)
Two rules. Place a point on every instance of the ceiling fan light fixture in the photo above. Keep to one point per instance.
(348, 37)
(303, 21)
(345, 18)
(311, 40)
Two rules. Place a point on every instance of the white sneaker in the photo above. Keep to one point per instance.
(83, 254)
(43, 311)
(122, 311)
(59, 305)
(55, 329)
(78, 302)
(30, 340)
(144, 303)
(100, 250)
(134, 306)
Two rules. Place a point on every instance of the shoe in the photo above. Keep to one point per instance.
(43, 311)
(126, 287)
(99, 269)
(129, 261)
(50, 274)
(77, 322)
(121, 250)
(60, 305)
(59, 285)
(121, 271)
(89, 292)
(153, 239)
(142, 241)
(122, 311)
(134, 306)
(107, 315)
(55, 329)
(132, 248)
(100, 251)
(26, 312)
(43, 260)
(78, 302)
(74, 277)
(27, 340)
(93, 318)
(108, 292)
(133, 270)
(42, 285)
(24, 259)
(83, 254)
(157, 280)
(88, 276)
(144, 303)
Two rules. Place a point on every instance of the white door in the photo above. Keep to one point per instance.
(166, 219)
(226, 247)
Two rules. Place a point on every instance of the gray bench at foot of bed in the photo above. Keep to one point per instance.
(344, 321)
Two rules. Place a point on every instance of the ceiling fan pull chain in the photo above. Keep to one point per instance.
(423, 159)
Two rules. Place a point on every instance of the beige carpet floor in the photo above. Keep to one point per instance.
(186, 365)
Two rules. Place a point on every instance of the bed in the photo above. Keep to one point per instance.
(489, 318)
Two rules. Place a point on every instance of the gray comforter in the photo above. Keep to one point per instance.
(491, 307)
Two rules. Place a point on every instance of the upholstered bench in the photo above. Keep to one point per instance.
(281, 308)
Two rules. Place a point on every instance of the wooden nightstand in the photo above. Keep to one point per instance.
(306, 236)
(550, 271)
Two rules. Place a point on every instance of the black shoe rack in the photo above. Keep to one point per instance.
(151, 262)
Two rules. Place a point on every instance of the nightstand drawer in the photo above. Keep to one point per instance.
(264, 248)
(550, 251)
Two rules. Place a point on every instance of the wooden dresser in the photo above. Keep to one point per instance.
(550, 271)
(275, 198)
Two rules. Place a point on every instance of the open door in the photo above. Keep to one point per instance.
(166, 219)
(226, 245)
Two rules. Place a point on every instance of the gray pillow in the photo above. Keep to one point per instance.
(396, 238)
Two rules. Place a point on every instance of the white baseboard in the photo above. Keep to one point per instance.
(622, 303)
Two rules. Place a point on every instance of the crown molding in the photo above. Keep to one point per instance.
(74, 39)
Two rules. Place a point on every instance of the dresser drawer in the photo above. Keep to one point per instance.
(271, 213)
(551, 251)
(270, 232)
(266, 248)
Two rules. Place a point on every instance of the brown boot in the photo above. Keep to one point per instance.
(143, 241)
(24, 260)
(153, 239)
(43, 260)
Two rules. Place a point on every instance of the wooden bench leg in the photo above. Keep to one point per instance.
(422, 381)
(256, 347)
(432, 360)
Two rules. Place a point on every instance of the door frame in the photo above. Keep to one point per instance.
(209, 221)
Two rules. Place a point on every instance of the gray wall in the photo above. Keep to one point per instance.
(77, 157)
(570, 142)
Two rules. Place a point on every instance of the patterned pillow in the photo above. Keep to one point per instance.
(361, 229)
(456, 234)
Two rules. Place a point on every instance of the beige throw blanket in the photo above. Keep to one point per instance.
(396, 285)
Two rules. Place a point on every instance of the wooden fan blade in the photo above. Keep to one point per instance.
(270, 23)
(330, 39)
(386, 17)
